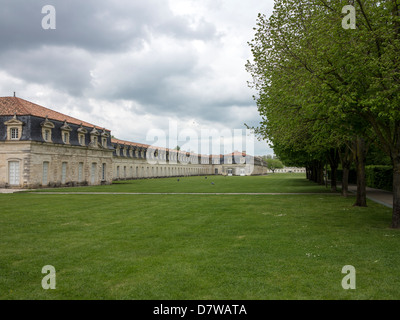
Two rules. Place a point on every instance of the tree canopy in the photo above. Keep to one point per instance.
(326, 91)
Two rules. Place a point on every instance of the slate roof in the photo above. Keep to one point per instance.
(237, 154)
(128, 143)
(14, 105)
(136, 144)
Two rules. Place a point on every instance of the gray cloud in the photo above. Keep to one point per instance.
(86, 30)
(165, 59)
(61, 67)
(95, 25)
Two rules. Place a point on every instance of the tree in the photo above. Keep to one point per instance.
(273, 164)
(305, 61)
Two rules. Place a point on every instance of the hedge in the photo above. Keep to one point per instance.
(378, 177)
(339, 175)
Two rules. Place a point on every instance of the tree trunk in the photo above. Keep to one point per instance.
(314, 172)
(309, 172)
(334, 179)
(345, 181)
(333, 158)
(320, 173)
(346, 159)
(360, 155)
(396, 193)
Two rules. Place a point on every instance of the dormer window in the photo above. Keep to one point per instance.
(81, 139)
(81, 135)
(66, 137)
(94, 141)
(47, 127)
(104, 136)
(47, 135)
(14, 128)
(14, 133)
(65, 130)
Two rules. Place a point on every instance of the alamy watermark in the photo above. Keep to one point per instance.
(349, 281)
(349, 21)
(205, 146)
(49, 20)
(49, 281)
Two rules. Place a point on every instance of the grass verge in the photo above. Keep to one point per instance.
(196, 247)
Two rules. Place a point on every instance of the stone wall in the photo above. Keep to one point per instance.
(135, 168)
(15, 152)
(64, 165)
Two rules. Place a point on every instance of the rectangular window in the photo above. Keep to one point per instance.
(13, 173)
(45, 178)
(80, 172)
(103, 172)
(14, 133)
(65, 137)
(47, 135)
(64, 173)
(81, 139)
(93, 173)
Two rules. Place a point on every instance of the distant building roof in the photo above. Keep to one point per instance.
(129, 143)
(237, 154)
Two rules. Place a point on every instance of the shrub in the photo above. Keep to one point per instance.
(339, 175)
(379, 177)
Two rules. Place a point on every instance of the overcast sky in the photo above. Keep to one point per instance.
(135, 65)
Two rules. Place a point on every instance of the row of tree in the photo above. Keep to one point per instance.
(325, 92)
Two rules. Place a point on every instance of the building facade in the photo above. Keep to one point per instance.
(40, 147)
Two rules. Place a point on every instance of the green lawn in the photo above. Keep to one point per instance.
(197, 246)
(280, 183)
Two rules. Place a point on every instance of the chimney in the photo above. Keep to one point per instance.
(14, 94)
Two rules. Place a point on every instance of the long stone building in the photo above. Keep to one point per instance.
(40, 147)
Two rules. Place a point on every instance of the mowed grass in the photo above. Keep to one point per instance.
(274, 183)
(196, 246)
